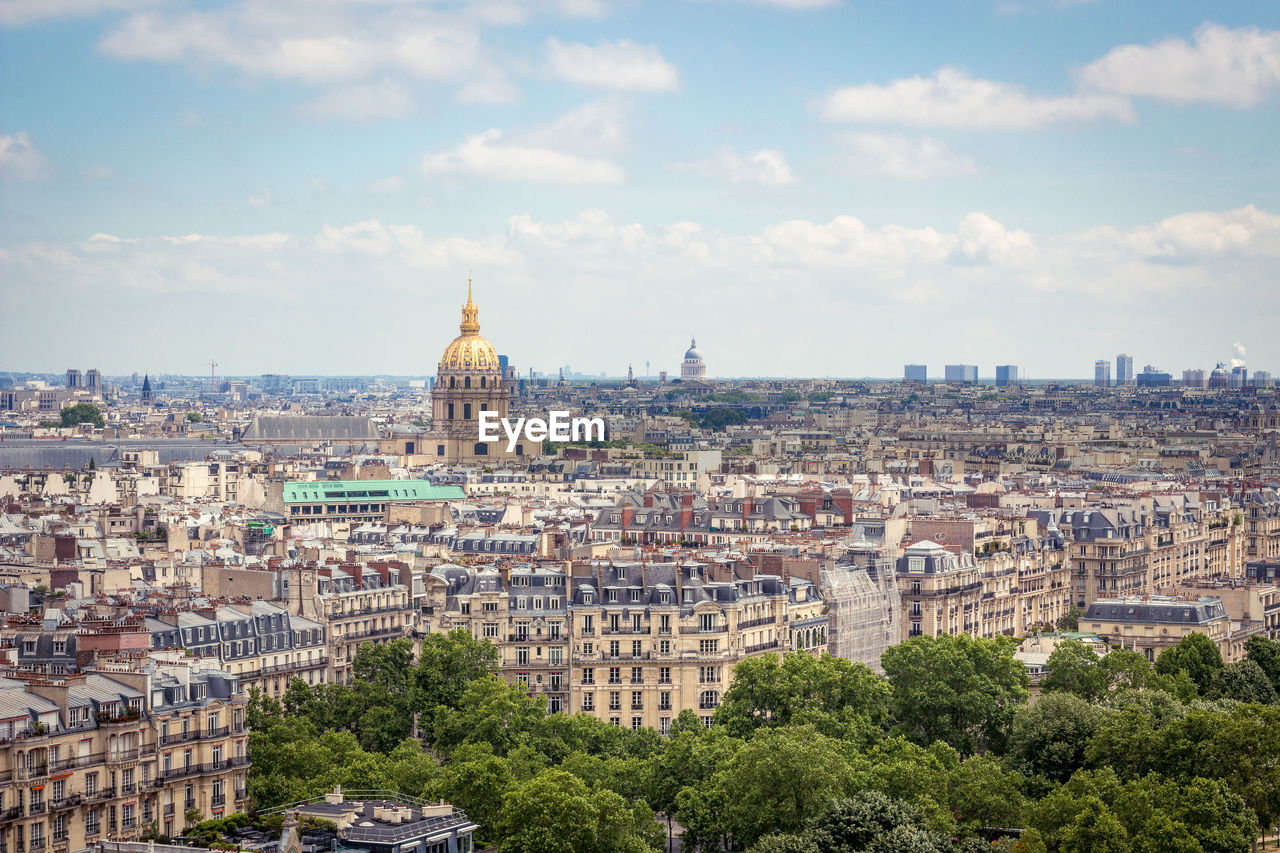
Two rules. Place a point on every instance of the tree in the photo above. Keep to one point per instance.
(777, 781)
(1266, 654)
(773, 692)
(959, 689)
(1070, 621)
(555, 812)
(194, 417)
(1095, 830)
(82, 413)
(1073, 667)
(1244, 681)
(447, 663)
(785, 843)
(869, 821)
(490, 711)
(1197, 656)
(1049, 737)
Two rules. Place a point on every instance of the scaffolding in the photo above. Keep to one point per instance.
(864, 609)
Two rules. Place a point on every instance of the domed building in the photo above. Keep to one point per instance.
(693, 368)
(469, 380)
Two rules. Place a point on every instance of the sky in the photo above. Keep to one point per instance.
(811, 187)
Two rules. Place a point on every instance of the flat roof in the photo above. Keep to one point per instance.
(332, 491)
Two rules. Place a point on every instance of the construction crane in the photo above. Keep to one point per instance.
(213, 365)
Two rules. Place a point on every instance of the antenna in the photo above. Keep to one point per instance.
(213, 365)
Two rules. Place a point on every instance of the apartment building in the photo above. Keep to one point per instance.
(1005, 593)
(102, 755)
(357, 603)
(1151, 623)
(1262, 524)
(633, 643)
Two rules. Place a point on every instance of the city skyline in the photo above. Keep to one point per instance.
(1037, 183)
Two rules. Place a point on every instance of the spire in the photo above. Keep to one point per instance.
(470, 313)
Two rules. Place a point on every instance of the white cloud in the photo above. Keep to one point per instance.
(486, 156)
(905, 157)
(766, 167)
(98, 172)
(362, 102)
(623, 65)
(388, 186)
(260, 199)
(951, 98)
(594, 127)
(1234, 67)
(19, 159)
(15, 13)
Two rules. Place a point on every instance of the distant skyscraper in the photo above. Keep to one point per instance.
(1102, 373)
(1239, 377)
(1194, 378)
(965, 373)
(1006, 374)
(1262, 378)
(915, 373)
(1124, 369)
(1153, 377)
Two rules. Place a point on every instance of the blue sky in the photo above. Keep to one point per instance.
(813, 188)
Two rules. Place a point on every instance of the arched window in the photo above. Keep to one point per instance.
(481, 381)
(709, 699)
(481, 448)
(466, 411)
(453, 381)
(466, 382)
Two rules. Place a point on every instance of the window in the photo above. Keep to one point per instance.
(522, 656)
(588, 701)
(613, 649)
(664, 700)
(664, 647)
(588, 676)
(615, 675)
(707, 622)
(637, 648)
(664, 725)
(490, 630)
(635, 621)
(664, 675)
(440, 447)
(637, 700)
(708, 647)
(637, 723)
(615, 700)
(637, 675)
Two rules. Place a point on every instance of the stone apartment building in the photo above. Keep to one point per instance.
(1151, 623)
(104, 754)
(635, 642)
(1007, 592)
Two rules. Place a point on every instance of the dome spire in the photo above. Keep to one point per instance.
(470, 324)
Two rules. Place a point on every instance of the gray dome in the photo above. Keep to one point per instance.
(692, 351)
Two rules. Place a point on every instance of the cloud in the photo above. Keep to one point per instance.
(261, 199)
(1238, 68)
(16, 13)
(362, 102)
(623, 65)
(98, 172)
(905, 157)
(765, 167)
(594, 127)
(951, 98)
(485, 156)
(388, 186)
(19, 159)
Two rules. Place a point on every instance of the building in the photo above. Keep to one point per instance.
(962, 373)
(693, 368)
(1194, 379)
(358, 500)
(918, 373)
(1006, 374)
(1262, 379)
(1102, 373)
(1239, 376)
(74, 379)
(633, 643)
(1153, 377)
(470, 380)
(146, 388)
(104, 754)
(367, 824)
(1124, 369)
(1151, 623)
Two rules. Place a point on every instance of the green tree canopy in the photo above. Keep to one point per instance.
(959, 689)
(1197, 656)
(556, 812)
(82, 413)
(1049, 738)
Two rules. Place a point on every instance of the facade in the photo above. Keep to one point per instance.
(962, 373)
(1151, 623)
(1006, 592)
(693, 368)
(1102, 373)
(469, 380)
(104, 754)
(633, 643)
(358, 500)
(1124, 369)
(1006, 374)
(916, 373)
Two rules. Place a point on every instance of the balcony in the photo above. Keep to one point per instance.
(128, 823)
(68, 802)
(91, 830)
(12, 813)
(100, 794)
(122, 755)
(756, 623)
(169, 809)
(760, 647)
(129, 790)
(218, 800)
(36, 844)
(36, 808)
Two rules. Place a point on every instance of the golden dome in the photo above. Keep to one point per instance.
(470, 352)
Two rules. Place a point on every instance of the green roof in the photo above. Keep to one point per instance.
(332, 491)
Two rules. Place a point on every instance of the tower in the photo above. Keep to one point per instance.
(146, 388)
(469, 380)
